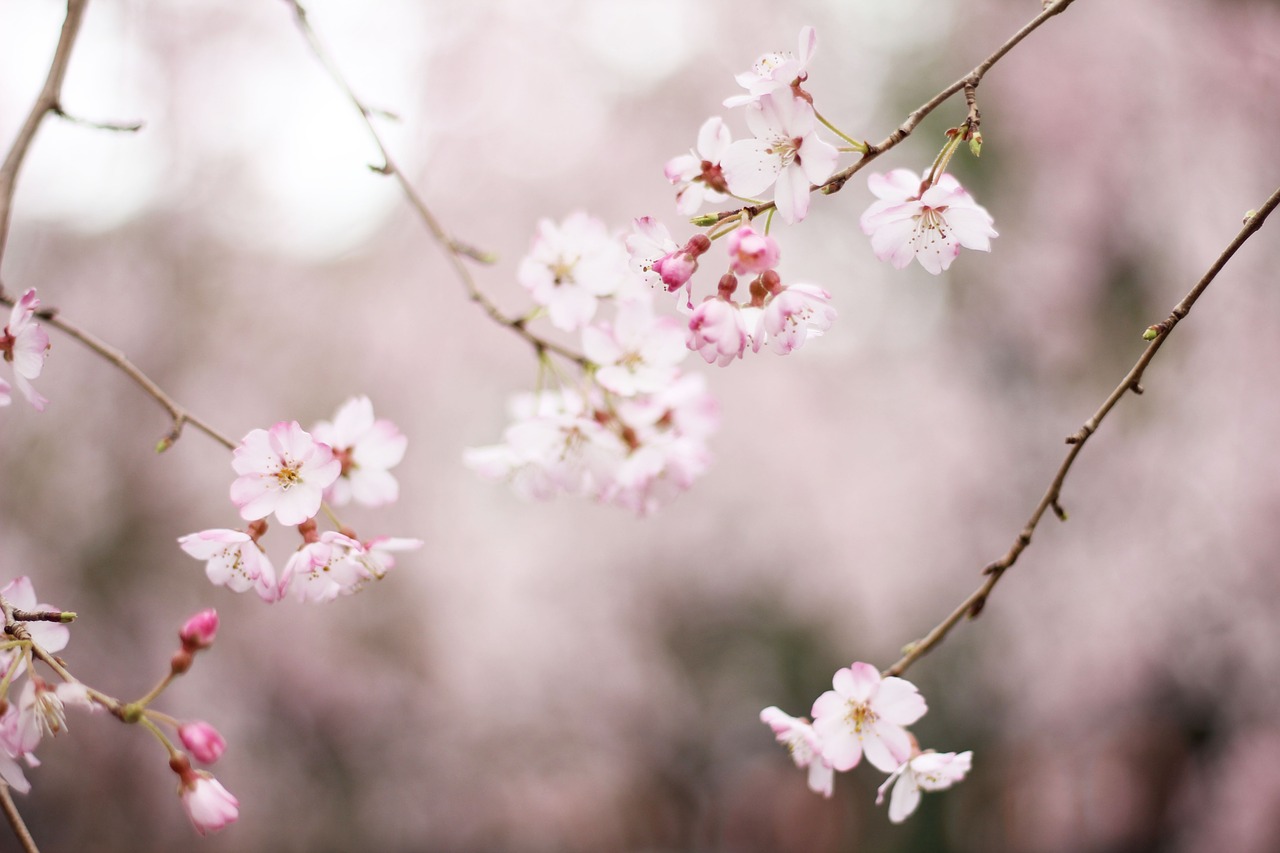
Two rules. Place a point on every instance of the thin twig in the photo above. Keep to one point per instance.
(180, 415)
(1132, 382)
(48, 101)
(115, 127)
(968, 83)
(456, 251)
(15, 820)
(60, 616)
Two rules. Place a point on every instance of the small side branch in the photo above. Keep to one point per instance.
(180, 415)
(456, 251)
(14, 818)
(1131, 383)
(48, 101)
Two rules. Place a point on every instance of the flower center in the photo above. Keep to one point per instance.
(288, 477)
(786, 150)
(860, 716)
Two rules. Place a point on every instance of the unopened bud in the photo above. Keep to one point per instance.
(975, 144)
(698, 244)
(203, 741)
(1249, 214)
(200, 630)
(706, 220)
(1151, 333)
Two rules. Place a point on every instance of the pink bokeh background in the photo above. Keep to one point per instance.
(562, 676)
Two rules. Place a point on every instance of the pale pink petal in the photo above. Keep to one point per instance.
(904, 799)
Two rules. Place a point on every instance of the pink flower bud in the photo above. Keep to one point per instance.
(200, 629)
(203, 741)
(751, 252)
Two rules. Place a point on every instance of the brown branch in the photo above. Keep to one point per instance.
(179, 414)
(60, 616)
(457, 252)
(1157, 334)
(11, 814)
(968, 83)
(48, 101)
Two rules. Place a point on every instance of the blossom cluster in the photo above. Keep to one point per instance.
(39, 710)
(866, 715)
(289, 473)
(632, 431)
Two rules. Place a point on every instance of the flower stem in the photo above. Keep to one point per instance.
(855, 145)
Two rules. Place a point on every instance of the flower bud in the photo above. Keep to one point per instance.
(200, 630)
(203, 741)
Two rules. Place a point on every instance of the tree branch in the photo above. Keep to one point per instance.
(11, 814)
(456, 251)
(1157, 334)
(48, 101)
(178, 413)
(968, 82)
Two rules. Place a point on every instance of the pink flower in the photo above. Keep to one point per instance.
(199, 631)
(378, 558)
(203, 741)
(570, 266)
(925, 771)
(368, 449)
(776, 71)
(718, 331)
(556, 444)
(325, 569)
(697, 175)
(638, 352)
(930, 224)
(282, 471)
(656, 257)
(786, 150)
(25, 345)
(796, 313)
(866, 714)
(209, 805)
(234, 559)
(806, 749)
(751, 253)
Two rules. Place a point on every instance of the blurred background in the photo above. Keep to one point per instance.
(563, 676)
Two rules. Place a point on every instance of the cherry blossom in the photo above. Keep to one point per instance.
(367, 449)
(776, 71)
(24, 345)
(570, 266)
(203, 741)
(283, 471)
(751, 253)
(786, 150)
(637, 352)
(928, 223)
(378, 557)
(717, 331)
(234, 559)
(555, 445)
(794, 314)
(697, 175)
(325, 569)
(656, 258)
(866, 714)
(924, 771)
(798, 736)
(209, 805)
